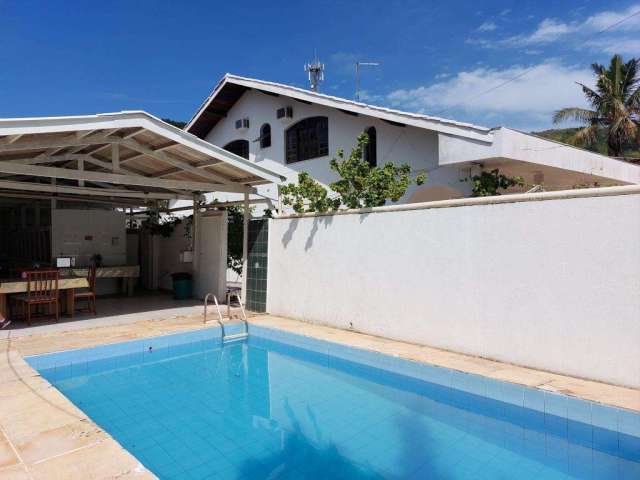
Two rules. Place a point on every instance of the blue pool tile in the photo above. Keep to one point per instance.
(555, 416)
(629, 422)
(289, 406)
(604, 417)
(605, 428)
(533, 412)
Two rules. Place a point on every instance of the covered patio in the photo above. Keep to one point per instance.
(73, 188)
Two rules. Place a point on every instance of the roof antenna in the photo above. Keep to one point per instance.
(316, 73)
(358, 65)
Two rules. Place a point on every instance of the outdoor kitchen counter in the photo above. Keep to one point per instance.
(128, 274)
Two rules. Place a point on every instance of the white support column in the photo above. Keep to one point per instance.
(245, 246)
(54, 202)
(195, 264)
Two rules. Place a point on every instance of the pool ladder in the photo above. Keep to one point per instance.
(225, 337)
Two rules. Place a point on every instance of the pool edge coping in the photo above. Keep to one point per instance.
(308, 331)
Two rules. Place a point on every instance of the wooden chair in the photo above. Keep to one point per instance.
(42, 289)
(89, 294)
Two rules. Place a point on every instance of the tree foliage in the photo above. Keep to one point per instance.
(615, 103)
(487, 184)
(176, 123)
(360, 185)
(308, 196)
(235, 229)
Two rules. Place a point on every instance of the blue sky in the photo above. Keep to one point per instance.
(67, 57)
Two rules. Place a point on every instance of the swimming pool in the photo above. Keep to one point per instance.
(284, 406)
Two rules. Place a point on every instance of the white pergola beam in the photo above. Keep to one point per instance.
(171, 171)
(155, 149)
(40, 159)
(8, 140)
(119, 179)
(52, 188)
(63, 142)
(71, 157)
(173, 161)
(55, 197)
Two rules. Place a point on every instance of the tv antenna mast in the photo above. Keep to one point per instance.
(358, 65)
(316, 73)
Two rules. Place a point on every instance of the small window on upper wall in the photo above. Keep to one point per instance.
(265, 135)
(309, 138)
(370, 154)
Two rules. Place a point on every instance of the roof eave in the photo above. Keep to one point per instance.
(415, 120)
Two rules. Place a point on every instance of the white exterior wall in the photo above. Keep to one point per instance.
(414, 146)
(169, 256)
(84, 233)
(553, 284)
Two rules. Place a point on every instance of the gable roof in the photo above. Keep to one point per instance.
(152, 159)
(232, 87)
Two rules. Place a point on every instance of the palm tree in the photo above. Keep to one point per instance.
(615, 106)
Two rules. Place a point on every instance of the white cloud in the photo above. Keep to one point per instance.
(487, 26)
(551, 30)
(603, 20)
(622, 46)
(531, 99)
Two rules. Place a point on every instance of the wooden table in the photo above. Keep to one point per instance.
(16, 285)
(128, 274)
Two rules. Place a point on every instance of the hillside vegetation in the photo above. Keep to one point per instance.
(564, 135)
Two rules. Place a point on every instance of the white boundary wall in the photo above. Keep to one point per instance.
(551, 284)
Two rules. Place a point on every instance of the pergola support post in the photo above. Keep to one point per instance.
(195, 229)
(245, 246)
(115, 157)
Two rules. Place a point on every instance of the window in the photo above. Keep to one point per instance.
(265, 136)
(239, 147)
(309, 138)
(370, 152)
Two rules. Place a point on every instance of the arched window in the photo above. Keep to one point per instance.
(265, 135)
(370, 154)
(239, 147)
(309, 138)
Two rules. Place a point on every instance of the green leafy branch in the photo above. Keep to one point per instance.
(360, 185)
(487, 184)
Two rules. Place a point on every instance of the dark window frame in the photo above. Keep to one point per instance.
(232, 147)
(370, 154)
(307, 139)
(265, 135)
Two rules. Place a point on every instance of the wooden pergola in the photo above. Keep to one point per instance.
(126, 159)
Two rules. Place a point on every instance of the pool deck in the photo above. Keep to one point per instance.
(43, 435)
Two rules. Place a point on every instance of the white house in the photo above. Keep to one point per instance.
(288, 130)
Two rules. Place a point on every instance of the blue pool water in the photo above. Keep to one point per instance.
(279, 406)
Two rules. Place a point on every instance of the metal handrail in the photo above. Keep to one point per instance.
(244, 315)
(215, 299)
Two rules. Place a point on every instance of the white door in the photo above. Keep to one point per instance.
(211, 262)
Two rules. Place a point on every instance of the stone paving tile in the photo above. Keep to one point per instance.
(102, 460)
(60, 440)
(15, 472)
(8, 457)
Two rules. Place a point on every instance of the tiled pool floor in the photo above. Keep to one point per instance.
(191, 409)
(34, 417)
